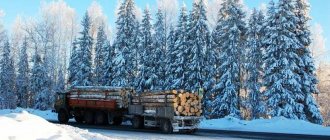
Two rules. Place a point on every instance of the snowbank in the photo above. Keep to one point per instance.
(275, 125)
(25, 126)
(47, 115)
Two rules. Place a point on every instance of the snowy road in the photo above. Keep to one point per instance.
(129, 135)
(126, 132)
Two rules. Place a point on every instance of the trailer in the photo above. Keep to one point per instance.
(93, 104)
(160, 109)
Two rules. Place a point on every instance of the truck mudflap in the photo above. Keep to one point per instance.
(185, 123)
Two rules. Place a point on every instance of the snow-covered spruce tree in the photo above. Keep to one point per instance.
(216, 44)
(49, 64)
(84, 74)
(159, 43)
(100, 56)
(199, 42)
(254, 65)
(147, 78)
(22, 80)
(74, 64)
(7, 76)
(137, 54)
(39, 84)
(123, 67)
(107, 67)
(178, 53)
(307, 68)
(282, 82)
(60, 84)
(269, 27)
(230, 38)
(169, 58)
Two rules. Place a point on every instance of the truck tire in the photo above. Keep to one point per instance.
(89, 117)
(63, 117)
(100, 118)
(117, 120)
(137, 122)
(78, 119)
(192, 131)
(166, 126)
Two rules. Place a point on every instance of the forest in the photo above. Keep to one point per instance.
(249, 65)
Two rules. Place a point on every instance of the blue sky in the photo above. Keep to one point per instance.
(320, 9)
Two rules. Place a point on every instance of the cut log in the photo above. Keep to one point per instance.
(180, 109)
(192, 110)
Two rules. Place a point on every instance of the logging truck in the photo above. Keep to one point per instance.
(171, 111)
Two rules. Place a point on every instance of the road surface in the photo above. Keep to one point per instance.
(126, 132)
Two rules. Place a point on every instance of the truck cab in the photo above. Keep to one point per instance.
(59, 100)
(60, 107)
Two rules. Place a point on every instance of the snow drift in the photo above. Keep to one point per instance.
(274, 125)
(25, 126)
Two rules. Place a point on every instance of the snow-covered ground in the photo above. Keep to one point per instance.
(29, 122)
(25, 126)
(275, 125)
(47, 115)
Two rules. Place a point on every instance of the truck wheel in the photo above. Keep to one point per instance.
(100, 118)
(89, 117)
(166, 126)
(137, 122)
(117, 120)
(79, 119)
(191, 131)
(63, 117)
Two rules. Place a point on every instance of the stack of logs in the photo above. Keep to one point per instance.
(184, 103)
(104, 93)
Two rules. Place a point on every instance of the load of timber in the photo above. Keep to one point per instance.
(102, 93)
(184, 103)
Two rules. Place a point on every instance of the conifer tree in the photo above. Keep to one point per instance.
(199, 41)
(137, 54)
(179, 53)
(216, 44)
(100, 56)
(49, 63)
(125, 44)
(60, 84)
(159, 43)
(169, 59)
(307, 67)
(7, 76)
(254, 65)
(281, 79)
(85, 42)
(22, 81)
(49, 88)
(74, 64)
(230, 38)
(107, 67)
(148, 78)
(40, 84)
